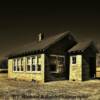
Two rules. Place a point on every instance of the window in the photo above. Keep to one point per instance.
(18, 64)
(18, 68)
(33, 63)
(28, 68)
(38, 63)
(15, 65)
(28, 60)
(60, 60)
(61, 64)
(22, 64)
(53, 63)
(33, 60)
(57, 63)
(52, 67)
(74, 60)
(33, 67)
(28, 63)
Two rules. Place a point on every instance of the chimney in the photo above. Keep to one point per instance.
(40, 36)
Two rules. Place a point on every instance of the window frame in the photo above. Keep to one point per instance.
(14, 65)
(20, 63)
(35, 63)
(30, 63)
(39, 63)
(57, 65)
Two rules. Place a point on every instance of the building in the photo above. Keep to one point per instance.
(83, 61)
(54, 58)
(43, 60)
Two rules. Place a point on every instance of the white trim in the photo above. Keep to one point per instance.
(25, 64)
(57, 56)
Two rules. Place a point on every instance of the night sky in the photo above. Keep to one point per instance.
(19, 22)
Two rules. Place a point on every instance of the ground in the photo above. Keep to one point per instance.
(59, 89)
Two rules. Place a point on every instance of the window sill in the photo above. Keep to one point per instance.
(27, 72)
(33, 72)
(18, 71)
(54, 72)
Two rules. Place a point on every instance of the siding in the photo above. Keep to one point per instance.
(29, 76)
(76, 69)
(98, 65)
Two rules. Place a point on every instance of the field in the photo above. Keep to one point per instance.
(87, 90)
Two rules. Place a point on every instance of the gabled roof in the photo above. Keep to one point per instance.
(81, 46)
(44, 44)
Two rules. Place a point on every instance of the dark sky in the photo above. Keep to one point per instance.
(20, 21)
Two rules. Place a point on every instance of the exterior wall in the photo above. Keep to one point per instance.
(25, 75)
(89, 56)
(98, 72)
(59, 72)
(3, 75)
(61, 46)
(85, 70)
(76, 69)
(98, 65)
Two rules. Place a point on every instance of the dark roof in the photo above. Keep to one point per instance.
(36, 45)
(81, 46)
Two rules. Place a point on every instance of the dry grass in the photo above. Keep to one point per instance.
(64, 89)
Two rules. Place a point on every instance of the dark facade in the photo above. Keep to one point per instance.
(57, 58)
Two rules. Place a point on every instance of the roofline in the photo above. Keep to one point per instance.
(90, 43)
(43, 49)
